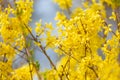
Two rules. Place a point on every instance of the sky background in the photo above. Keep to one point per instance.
(46, 10)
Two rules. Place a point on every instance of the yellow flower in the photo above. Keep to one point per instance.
(5, 70)
(6, 49)
(113, 16)
(25, 72)
(64, 4)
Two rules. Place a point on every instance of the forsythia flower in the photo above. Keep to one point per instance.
(81, 40)
(6, 49)
(24, 72)
(64, 4)
(5, 70)
(113, 16)
(24, 10)
(38, 28)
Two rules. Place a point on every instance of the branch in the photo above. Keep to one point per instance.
(94, 71)
(70, 55)
(39, 76)
(44, 52)
(41, 47)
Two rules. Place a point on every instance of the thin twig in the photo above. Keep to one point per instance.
(43, 50)
(69, 55)
(93, 71)
(29, 63)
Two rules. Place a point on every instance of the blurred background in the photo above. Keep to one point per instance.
(46, 10)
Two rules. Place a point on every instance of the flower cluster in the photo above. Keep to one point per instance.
(88, 46)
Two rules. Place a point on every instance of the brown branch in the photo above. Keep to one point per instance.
(35, 39)
(20, 56)
(29, 63)
(93, 71)
(66, 74)
(117, 13)
(44, 52)
(69, 55)
(30, 71)
(41, 47)
(85, 34)
(4, 58)
(39, 76)
(111, 29)
(85, 75)
(19, 50)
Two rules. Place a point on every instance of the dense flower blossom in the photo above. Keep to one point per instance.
(81, 40)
